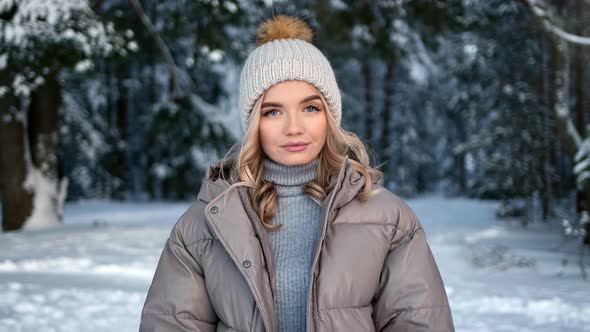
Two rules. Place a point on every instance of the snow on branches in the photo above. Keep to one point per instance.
(582, 163)
(560, 38)
(41, 36)
(539, 9)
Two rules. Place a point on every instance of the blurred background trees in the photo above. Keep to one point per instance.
(461, 97)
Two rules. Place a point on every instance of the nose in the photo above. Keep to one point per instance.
(293, 125)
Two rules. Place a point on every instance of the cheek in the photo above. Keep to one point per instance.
(320, 130)
(266, 135)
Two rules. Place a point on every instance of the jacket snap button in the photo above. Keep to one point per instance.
(246, 263)
(213, 209)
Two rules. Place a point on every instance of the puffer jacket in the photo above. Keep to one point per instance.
(372, 268)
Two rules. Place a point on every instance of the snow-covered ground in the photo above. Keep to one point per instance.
(93, 273)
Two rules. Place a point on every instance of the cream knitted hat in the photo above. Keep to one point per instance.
(284, 52)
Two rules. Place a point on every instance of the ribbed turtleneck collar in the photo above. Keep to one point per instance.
(289, 175)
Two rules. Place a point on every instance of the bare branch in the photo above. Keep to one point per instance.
(161, 45)
(540, 10)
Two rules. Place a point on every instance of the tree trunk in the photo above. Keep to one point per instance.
(579, 89)
(569, 136)
(560, 100)
(459, 172)
(579, 73)
(547, 194)
(17, 202)
(579, 93)
(460, 161)
(42, 126)
(119, 169)
(42, 172)
(386, 151)
(154, 180)
(367, 76)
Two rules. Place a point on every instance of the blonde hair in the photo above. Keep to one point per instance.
(245, 159)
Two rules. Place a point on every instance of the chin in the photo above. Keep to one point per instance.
(294, 159)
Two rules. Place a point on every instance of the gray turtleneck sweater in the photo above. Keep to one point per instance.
(293, 243)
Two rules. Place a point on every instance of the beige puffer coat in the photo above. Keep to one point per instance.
(373, 271)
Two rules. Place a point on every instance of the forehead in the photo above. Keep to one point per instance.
(290, 90)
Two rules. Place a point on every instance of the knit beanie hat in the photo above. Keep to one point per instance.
(284, 52)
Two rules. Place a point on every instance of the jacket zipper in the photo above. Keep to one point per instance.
(314, 291)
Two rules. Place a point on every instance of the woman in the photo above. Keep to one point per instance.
(291, 231)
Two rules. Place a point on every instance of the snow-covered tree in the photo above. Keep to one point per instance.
(39, 40)
(574, 141)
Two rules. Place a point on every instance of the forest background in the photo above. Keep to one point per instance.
(131, 100)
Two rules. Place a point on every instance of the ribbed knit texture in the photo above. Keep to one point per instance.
(293, 243)
(287, 59)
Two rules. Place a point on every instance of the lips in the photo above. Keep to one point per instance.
(295, 147)
(295, 144)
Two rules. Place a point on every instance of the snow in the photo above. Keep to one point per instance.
(133, 46)
(93, 273)
(230, 6)
(418, 72)
(48, 199)
(538, 9)
(361, 33)
(161, 171)
(216, 55)
(3, 60)
(35, 18)
(38, 26)
(224, 113)
(338, 4)
(582, 160)
(83, 66)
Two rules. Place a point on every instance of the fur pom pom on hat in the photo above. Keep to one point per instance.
(283, 26)
(285, 52)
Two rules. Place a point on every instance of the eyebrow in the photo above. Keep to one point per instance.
(275, 104)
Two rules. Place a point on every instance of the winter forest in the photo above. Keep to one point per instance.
(477, 111)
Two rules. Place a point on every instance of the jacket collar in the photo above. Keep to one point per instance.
(349, 182)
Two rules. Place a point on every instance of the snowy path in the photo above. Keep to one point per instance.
(93, 274)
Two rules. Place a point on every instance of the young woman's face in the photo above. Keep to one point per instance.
(293, 124)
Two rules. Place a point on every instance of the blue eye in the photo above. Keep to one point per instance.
(269, 111)
(312, 107)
